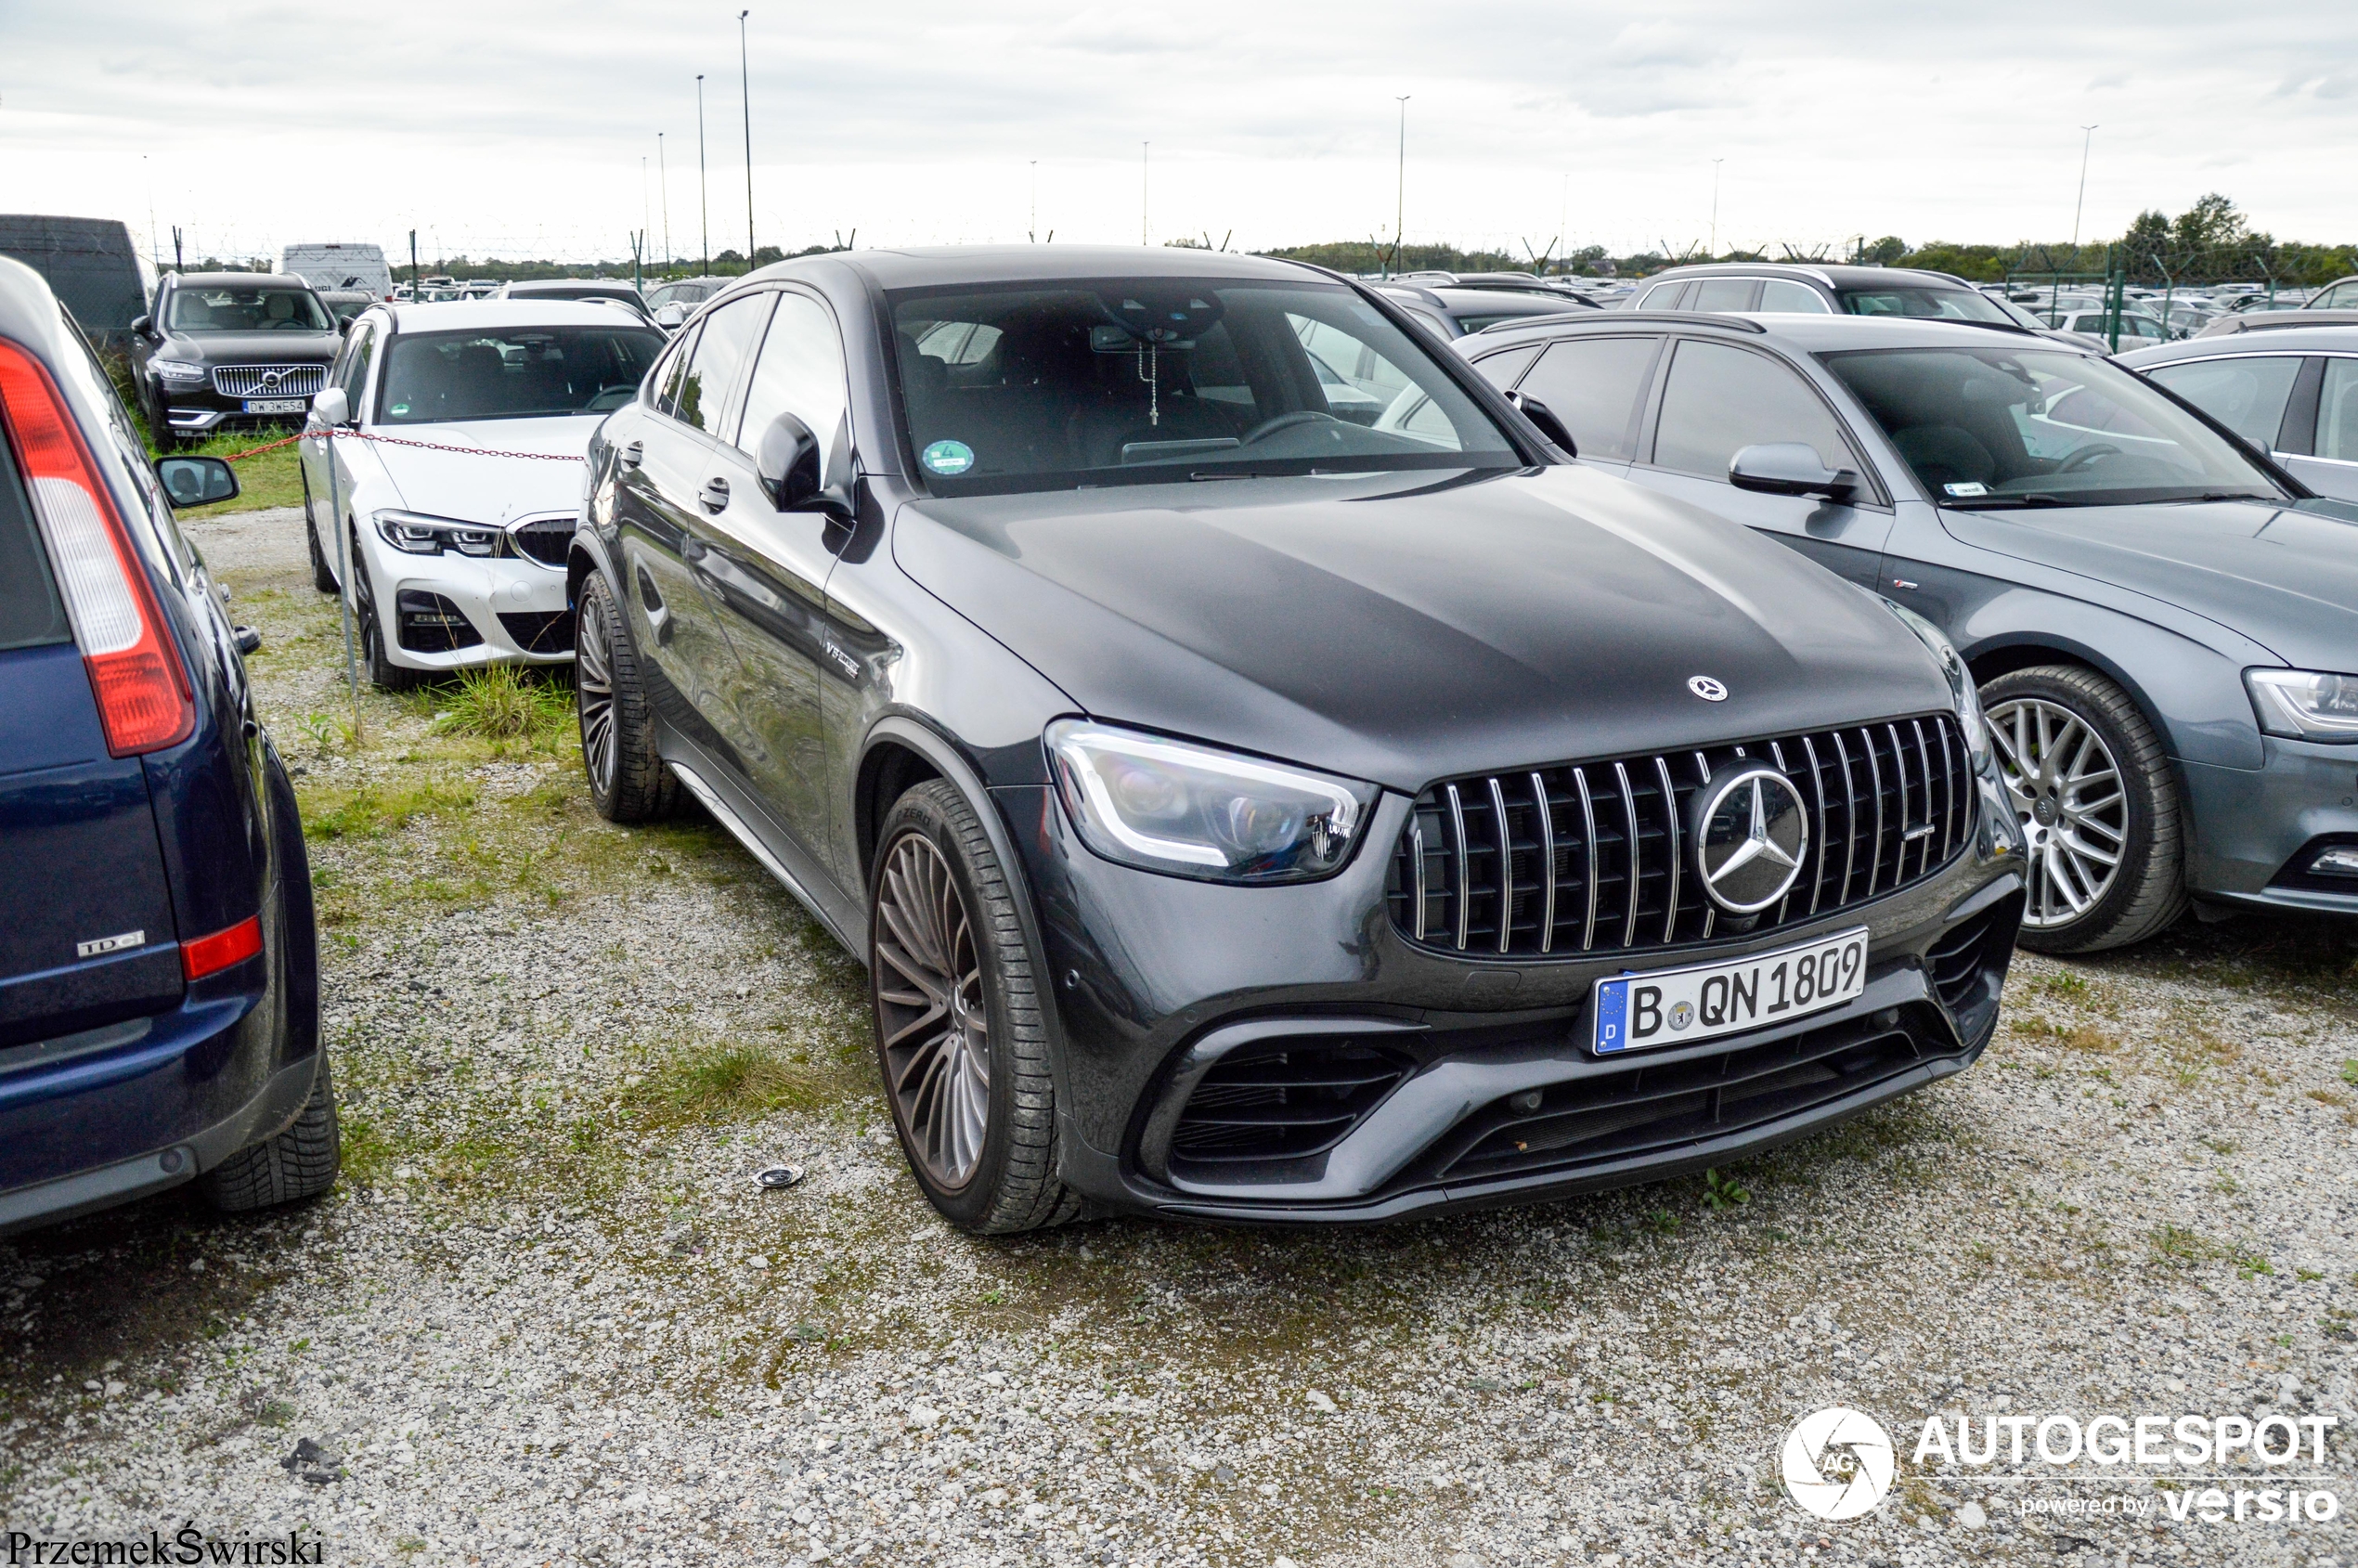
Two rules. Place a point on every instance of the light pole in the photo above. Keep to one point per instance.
(2087, 138)
(1400, 187)
(663, 174)
(1715, 204)
(1031, 234)
(744, 92)
(1143, 148)
(704, 203)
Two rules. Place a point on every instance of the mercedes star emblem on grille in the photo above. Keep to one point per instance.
(1706, 688)
(1751, 836)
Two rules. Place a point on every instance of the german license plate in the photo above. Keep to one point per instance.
(277, 404)
(1678, 1006)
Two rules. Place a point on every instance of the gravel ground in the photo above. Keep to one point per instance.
(549, 1318)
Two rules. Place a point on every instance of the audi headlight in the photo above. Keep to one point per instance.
(1188, 810)
(1965, 696)
(176, 370)
(2305, 704)
(419, 535)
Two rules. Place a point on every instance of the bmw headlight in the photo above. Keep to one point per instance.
(419, 535)
(176, 370)
(1965, 696)
(2305, 704)
(1188, 810)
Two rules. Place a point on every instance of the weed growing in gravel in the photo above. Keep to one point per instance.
(2349, 1072)
(722, 1083)
(1722, 1191)
(505, 703)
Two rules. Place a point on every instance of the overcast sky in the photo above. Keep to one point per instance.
(520, 129)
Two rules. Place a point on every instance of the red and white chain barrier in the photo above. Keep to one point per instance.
(402, 441)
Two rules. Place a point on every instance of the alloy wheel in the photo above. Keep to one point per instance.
(593, 691)
(931, 1010)
(2066, 789)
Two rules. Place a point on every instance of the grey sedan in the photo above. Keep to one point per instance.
(2164, 624)
(2293, 393)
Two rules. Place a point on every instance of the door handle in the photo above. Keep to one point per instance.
(715, 494)
(634, 454)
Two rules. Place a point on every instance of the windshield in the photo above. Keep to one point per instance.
(245, 310)
(1929, 304)
(1998, 427)
(1129, 381)
(520, 373)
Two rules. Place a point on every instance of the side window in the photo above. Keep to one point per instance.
(1663, 296)
(358, 351)
(1500, 370)
(2341, 297)
(1594, 384)
(800, 370)
(1721, 399)
(674, 373)
(720, 352)
(2338, 411)
(2247, 395)
(1787, 297)
(1723, 294)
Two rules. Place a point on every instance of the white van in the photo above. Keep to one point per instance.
(339, 266)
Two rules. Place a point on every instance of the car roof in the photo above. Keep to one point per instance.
(1832, 275)
(2290, 340)
(557, 285)
(928, 266)
(453, 315)
(1809, 334)
(240, 280)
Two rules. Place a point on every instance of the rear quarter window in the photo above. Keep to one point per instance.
(31, 612)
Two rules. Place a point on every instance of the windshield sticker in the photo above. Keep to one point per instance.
(948, 457)
(401, 408)
(1971, 487)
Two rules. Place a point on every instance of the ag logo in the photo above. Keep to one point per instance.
(1837, 1463)
(1750, 832)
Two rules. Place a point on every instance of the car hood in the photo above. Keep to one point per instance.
(1401, 628)
(251, 348)
(2284, 577)
(522, 479)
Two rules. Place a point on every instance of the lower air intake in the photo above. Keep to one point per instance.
(540, 631)
(1283, 1104)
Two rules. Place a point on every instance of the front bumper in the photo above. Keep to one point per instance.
(1479, 1087)
(2254, 826)
(196, 410)
(511, 610)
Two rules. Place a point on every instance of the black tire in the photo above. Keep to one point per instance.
(298, 1163)
(383, 673)
(627, 780)
(1006, 1181)
(2145, 891)
(321, 578)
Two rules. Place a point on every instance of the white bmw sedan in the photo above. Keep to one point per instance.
(457, 433)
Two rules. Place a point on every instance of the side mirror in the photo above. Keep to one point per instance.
(671, 317)
(792, 470)
(144, 326)
(197, 480)
(1540, 415)
(344, 326)
(332, 407)
(1789, 468)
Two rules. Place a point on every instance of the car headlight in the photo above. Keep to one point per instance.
(2305, 704)
(1188, 810)
(1965, 697)
(419, 535)
(176, 370)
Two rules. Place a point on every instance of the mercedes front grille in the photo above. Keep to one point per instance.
(1594, 856)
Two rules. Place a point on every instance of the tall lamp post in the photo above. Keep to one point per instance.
(703, 202)
(1715, 204)
(1400, 186)
(745, 91)
(2087, 139)
(1144, 148)
(663, 176)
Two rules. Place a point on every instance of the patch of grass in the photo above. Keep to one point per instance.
(2349, 1072)
(1721, 1190)
(722, 1083)
(272, 478)
(370, 812)
(505, 703)
(368, 1154)
(2065, 985)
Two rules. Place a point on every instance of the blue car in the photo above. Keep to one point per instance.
(159, 964)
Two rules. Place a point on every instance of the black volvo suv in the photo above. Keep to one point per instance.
(1254, 813)
(230, 348)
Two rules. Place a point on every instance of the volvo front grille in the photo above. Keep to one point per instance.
(269, 380)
